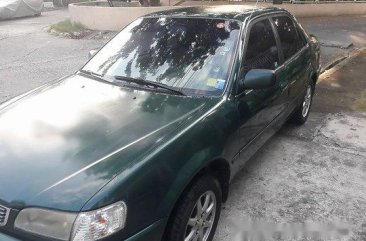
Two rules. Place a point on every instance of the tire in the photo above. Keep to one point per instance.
(187, 220)
(301, 114)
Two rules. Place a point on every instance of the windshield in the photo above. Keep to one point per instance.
(191, 55)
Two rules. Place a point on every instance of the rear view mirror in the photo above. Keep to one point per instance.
(92, 53)
(258, 79)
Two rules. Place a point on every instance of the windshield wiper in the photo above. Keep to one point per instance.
(90, 73)
(148, 83)
(98, 76)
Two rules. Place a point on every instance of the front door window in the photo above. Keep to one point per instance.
(261, 52)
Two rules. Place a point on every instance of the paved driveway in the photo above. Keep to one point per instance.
(29, 56)
(338, 32)
(316, 172)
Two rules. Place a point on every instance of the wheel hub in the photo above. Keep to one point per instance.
(307, 102)
(202, 218)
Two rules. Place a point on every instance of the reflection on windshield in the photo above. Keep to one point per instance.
(189, 54)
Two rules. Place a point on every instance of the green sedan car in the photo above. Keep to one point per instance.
(142, 143)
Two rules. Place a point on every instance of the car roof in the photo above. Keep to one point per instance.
(234, 12)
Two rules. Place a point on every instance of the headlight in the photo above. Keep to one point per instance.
(48, 223)
(86, 226)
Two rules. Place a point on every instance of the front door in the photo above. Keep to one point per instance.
(258, 109)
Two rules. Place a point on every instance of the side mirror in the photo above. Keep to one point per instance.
(258, 79)
(92, 53)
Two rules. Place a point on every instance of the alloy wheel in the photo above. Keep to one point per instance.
(202, 218)
(307, 101)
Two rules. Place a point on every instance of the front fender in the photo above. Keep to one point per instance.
(151, 186)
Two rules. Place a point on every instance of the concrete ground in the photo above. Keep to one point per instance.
(316, 172)
(30, 56)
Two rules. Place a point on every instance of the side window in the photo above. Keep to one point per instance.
(261, 51)
(290, 41)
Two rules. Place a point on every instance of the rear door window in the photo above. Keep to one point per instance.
(261, 52)
(290, 40)
(301, 33)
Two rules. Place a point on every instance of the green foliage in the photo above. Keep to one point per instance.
(67, 26)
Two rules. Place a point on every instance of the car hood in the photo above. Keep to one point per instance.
(61, 143)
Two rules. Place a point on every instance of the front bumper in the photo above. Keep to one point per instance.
(153, 232)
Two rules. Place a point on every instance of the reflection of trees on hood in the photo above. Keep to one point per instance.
(99, 134)
(170, 47)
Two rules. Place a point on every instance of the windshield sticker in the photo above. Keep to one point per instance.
(216, 83)
(211, 82)
(220, 84)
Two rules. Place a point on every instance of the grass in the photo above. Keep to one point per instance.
(360, 104)
(67, 26)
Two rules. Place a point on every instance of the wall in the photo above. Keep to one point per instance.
(116, 18)
(108, 18)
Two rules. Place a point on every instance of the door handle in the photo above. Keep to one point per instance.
(293, 82)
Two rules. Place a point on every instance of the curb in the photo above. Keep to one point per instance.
(334, 63)
(339, 63)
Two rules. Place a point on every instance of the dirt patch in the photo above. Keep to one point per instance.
(344, 89)
(360, 104)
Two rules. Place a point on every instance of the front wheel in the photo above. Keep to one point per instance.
(197, 213)
(301, 114)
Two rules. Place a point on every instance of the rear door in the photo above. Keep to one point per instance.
(296, 55)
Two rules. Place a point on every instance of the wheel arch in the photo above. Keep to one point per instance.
(220, 169)
(314, 78)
